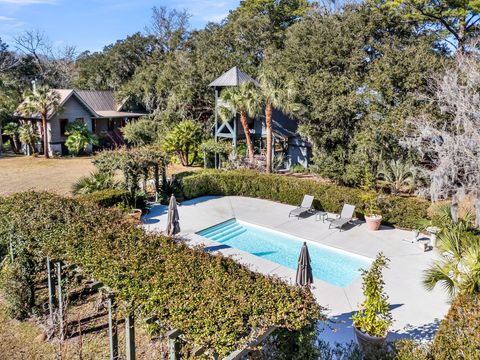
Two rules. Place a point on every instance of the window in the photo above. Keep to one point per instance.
(63, 127)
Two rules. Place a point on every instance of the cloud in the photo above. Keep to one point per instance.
(215, 17)
(208, 10)
(6, 18)
(28, 2)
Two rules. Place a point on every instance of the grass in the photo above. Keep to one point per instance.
(20, 173)
(87, 333)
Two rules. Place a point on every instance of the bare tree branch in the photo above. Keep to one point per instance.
(452, 148)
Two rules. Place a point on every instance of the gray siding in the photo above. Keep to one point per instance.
(71, 110)
(299, 152)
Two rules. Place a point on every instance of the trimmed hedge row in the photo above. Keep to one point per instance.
(215, 301)
(405, 212)
(106, 198)
(459, 334)
(119, 198)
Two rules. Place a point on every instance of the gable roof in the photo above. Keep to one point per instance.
(98, 103)
(98, 100)
(233, 77)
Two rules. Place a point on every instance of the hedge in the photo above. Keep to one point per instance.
(114, 198)
(404, 212)
(215, 301)
(458, 336)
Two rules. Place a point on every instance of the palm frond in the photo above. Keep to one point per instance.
(437, 273)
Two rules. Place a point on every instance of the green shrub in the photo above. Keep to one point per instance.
(16, 290)
(459, 334)
(215, 301)
(405, 212)
(115, 198)
(96, 181)
(374, 317)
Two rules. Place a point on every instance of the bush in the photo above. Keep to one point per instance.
(96, 181)
(405, 212)
(374, 317)
(458, 336)
(16, 291)
(115, 198)
(215, 301)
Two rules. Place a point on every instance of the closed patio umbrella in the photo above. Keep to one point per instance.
(304, 269)
(173, 225)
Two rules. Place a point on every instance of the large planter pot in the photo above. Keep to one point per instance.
(373, 221)
(366, 341)
(137, 215)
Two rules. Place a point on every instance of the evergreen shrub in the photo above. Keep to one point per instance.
(400, 211)
(215, 301)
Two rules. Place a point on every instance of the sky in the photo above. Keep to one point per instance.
(92, 24)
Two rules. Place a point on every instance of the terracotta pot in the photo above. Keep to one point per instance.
(373, 221)
(366, 341)
(137, 215)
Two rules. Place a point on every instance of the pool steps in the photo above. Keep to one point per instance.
(224, 232)
(218, 229)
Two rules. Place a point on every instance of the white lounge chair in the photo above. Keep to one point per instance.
(344, 218)
(305, 207)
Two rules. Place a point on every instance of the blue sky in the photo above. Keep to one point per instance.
(92, 24)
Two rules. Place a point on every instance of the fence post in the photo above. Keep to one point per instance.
(172, 336)
(130, 337)
(112, 328)
(60, 298)
(51, 289)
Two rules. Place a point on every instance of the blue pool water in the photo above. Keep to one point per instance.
(334, 266)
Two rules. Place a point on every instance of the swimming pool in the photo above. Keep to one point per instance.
(331, 265)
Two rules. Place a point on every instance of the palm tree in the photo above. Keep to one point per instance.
(245, 100)
(13, 130)
(397, 175)
(458, 269)
(279, 95)
(28, 135)
(44, 102)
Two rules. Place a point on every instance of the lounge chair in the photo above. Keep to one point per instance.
(344, 218)
(305, 207)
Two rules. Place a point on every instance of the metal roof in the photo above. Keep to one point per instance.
(99, 103)
(233, 77)
(99, 100)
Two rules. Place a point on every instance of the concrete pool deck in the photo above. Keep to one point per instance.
(416, 312)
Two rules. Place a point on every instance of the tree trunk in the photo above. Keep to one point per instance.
(461, 37)
(251, 151)
(268, 125)
(454, 208)
(45, 136)
(16, 147)
(156, 172)
(194, 158)
(181, 155)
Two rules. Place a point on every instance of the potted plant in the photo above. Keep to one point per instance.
(137, 215)
(372, 321)
(372, 216)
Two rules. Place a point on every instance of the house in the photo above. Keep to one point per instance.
(99, 110)
(286, 140)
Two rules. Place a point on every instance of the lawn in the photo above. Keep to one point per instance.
(20, 173)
